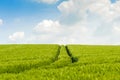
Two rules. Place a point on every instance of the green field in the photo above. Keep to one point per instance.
(56, 62)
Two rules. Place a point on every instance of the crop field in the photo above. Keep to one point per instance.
(58, 62)
(17, 58)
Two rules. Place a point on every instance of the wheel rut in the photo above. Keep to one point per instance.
(74, 59)
(22, 68)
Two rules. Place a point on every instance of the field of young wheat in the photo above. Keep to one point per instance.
(58, 62)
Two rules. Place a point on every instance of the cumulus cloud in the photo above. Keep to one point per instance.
(48, 26)
(100, 18)
(46, 1)
(83, 8)
(47, 31)
(17, 36)
(84, 22)
(1, 21)
(53, 32)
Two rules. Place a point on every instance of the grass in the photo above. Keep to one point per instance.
(90, 62)
(17, 58)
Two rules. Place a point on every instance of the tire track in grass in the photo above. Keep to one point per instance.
(62, 58)
(24, 67)
(57, 55)
(65, 58)
(62, 61)
(73, 58)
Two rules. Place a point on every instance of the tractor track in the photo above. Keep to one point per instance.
(74, 59)
(18, 68)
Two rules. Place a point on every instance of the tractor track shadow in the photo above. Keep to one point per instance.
(74, 59)
(23, 68)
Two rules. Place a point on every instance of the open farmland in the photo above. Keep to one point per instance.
(96, 62)
(54, 62)
(17, 58)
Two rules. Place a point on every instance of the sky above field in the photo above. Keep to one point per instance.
(60, 21)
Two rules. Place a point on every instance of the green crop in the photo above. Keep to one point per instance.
(54, 62)
(17, 58)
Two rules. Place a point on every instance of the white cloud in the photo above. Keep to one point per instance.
(48, 26)
(1, 21)
(46, 1)
(103, 8)
(116, 27)
(17, 36)
(98, 17)
(47, 31)
(82, 21)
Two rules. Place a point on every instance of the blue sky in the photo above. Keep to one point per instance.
(21, 15)
(60, 21)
